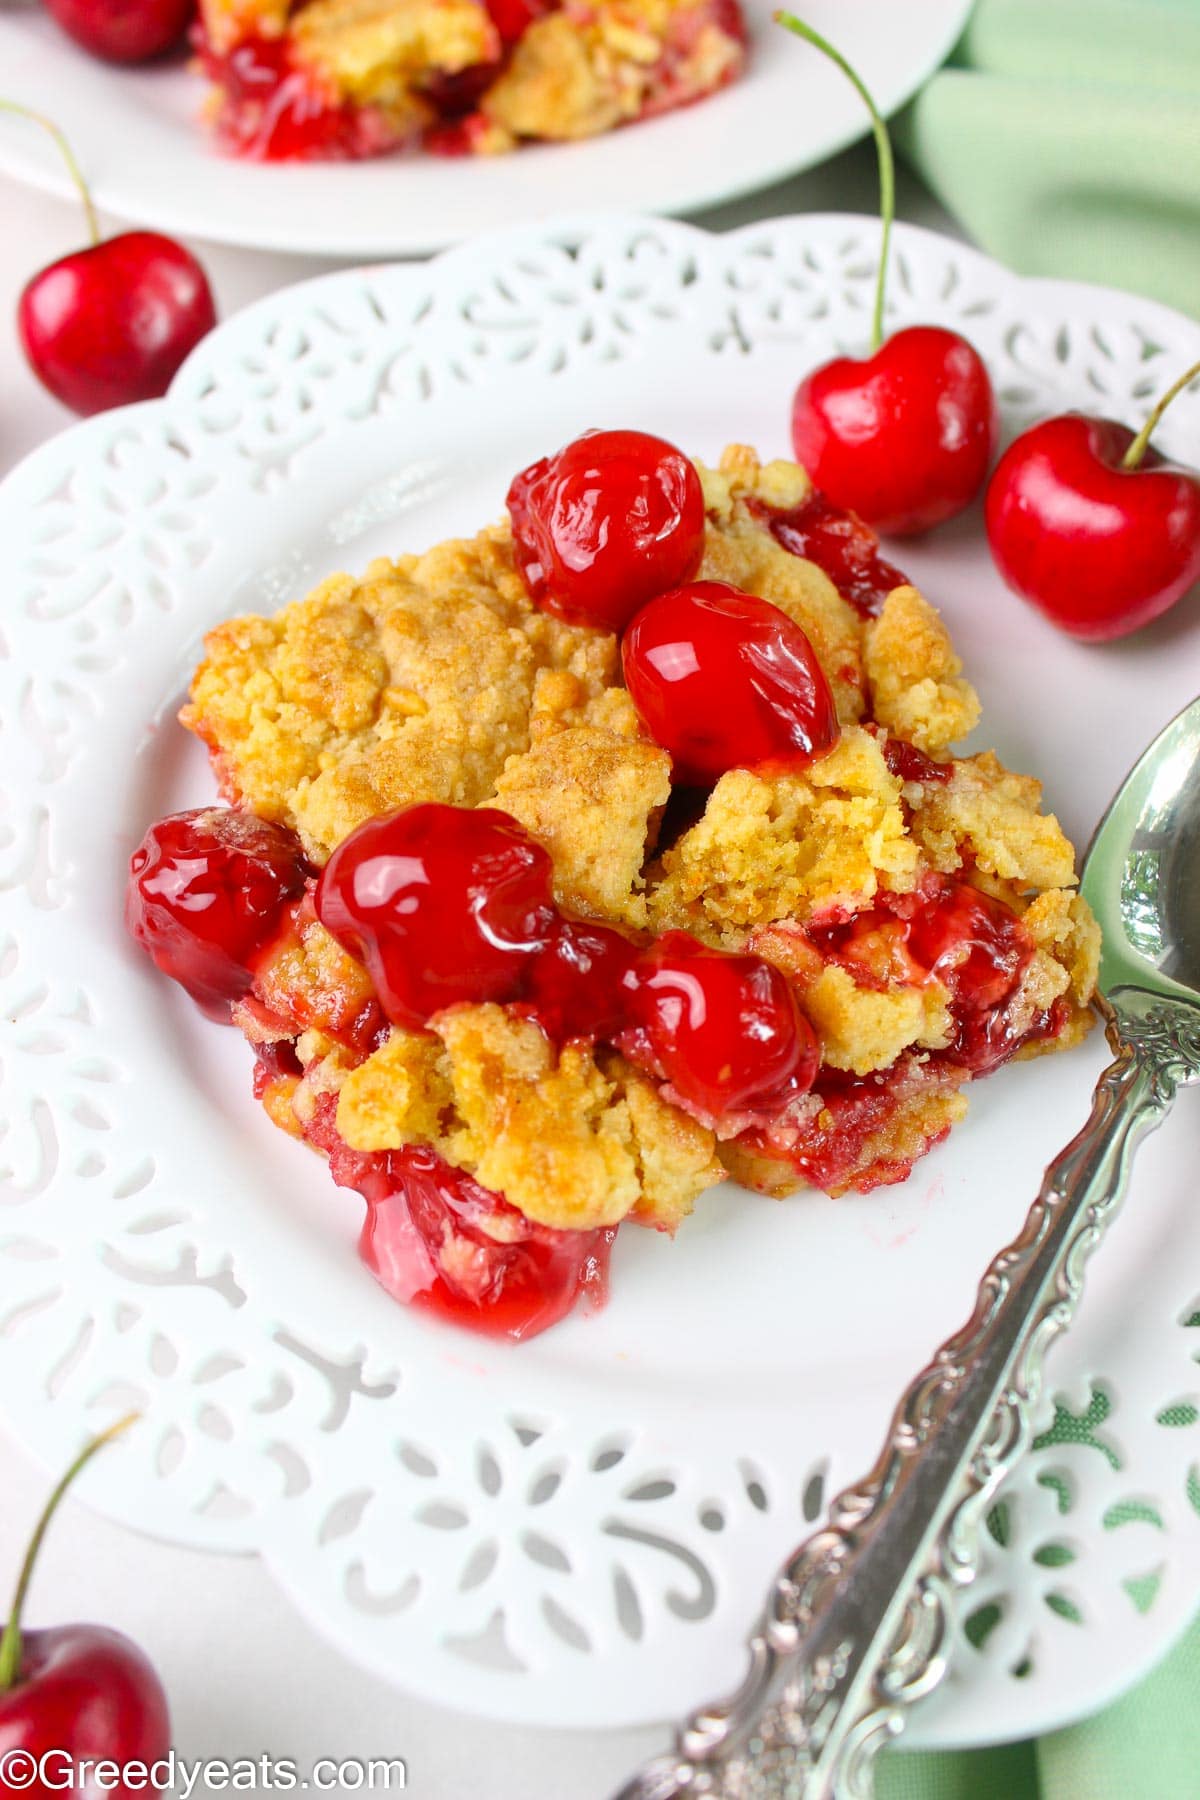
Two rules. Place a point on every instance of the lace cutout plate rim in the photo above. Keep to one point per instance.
(576, 1531)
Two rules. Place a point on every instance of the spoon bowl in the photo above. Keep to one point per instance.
(1142, 872)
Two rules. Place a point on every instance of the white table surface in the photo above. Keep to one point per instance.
(245, 1674)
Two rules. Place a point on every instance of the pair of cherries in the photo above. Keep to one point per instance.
(610, 533)
(447, 906)
(1084, 519)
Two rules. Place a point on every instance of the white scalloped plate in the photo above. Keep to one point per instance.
(578, 1530)
(149, 158)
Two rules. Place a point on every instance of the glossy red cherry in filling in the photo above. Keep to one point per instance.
(725, 680)
(974, 945)
(434, 1237)
(724, 1031)
(979, 949)
(206, 893)
(443, 904)
(576, 988)
(838, 542)
(613, 519)
(909, 763)
(273, 110)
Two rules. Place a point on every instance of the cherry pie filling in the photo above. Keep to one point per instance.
(443, 906)
(273, 109)
(273, 106)
(838, 542)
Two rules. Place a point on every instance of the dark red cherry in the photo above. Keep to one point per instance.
(723, 1031)
(575, 988)
(206, 893)
(615, 518)
(724, 680)
(112, 323)
(123, 31)
(978, 948)
(909, 763)
(444, 905)
(838, 542)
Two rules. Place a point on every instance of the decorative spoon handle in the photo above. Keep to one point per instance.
(857, 1622)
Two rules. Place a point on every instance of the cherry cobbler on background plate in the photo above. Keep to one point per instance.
(577, 866)
(356, 78)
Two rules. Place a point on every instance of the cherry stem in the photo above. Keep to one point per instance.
(1140, 444)
(68, 156)
(883, 150)
(10, 1644)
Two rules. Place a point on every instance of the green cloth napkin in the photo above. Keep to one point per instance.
(1064, 135)
(1145, 1746)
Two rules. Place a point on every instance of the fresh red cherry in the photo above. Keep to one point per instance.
(724, 1031)
(112, 323)
(613, 519)
(444, 905)
(76, 1694)
(724, 680)
(206, 893)
(123, 31)
(904, 436)
(1089, 523)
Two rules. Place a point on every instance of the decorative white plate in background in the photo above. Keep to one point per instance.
(577, 1530)
(149, 159)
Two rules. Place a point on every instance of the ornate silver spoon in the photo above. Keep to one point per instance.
(856, 1626)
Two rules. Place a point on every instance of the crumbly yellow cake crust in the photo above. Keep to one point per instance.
(590, 67)
(434, 677)
(372, 51)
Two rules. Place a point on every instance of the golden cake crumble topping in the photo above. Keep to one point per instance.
(911, 912)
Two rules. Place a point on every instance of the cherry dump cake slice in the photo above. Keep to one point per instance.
(572, 867)
(355, 78)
